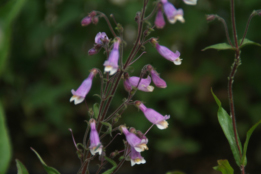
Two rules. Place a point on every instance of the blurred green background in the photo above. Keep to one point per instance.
(43, 55)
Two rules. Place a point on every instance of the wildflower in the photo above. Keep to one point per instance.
(159, 21)
(95, 144)
(101, 38)
(190, 2)
(144, 84)
(136, 158)
(167, 53)
(172, 13)
(111, 65)
(153, 116)
(159, 82)
(86, 20)
(134, 141)
(82, 91)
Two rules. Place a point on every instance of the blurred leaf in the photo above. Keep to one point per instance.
(96, 110)
(226, 124)
(7, 15)
(175, 172)
(224, 167)
(248, 42)
(114, 165)
(49, 170)
(21, 169)
(5, 146)
(249, 133)
(220, 46)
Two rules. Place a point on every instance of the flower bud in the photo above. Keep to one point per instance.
(92, 14)
(159, 21)
(93, 51)
(95, 20)
(86, 21)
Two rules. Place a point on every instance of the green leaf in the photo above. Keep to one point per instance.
(114, 165)
(220, 46)
(225, 122)
(109, 127)
(249, 133)
(248, 42)
(96, 110)
(224, 167)
(5, 145)
(8, 12)
(21, 169)
(49, 170)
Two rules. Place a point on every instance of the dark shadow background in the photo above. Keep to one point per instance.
(49, 57)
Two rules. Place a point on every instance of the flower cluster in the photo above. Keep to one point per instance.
(136, 142)
(173, 15)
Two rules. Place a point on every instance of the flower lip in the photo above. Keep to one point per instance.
(134, 141)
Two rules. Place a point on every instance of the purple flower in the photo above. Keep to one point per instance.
(111, 65)
(95, 144)
(159, 82)
(82, 91)
(86, 20)
(134, 141)
(144, 84)
(101, 38)
(159, 21)
(190, 2)
(153, 116)
(172, 13)
(168, 54)
(136, 158)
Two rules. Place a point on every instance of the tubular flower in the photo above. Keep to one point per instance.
(134, 141)
(159, 82)
(167, 53)
(159, 21)
(111, 65)
(153, 116)
(95, 144)
(136, 158)
(190, 2)
(172, 13)
(144, 84)
(82, 91)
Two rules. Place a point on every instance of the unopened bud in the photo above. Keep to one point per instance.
(149, 68)
(153, 41)
(210, 17)
(86, 21)
(92, 14)
(132, 130)
(95, 20)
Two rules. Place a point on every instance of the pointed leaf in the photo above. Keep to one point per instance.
(225, 122)
(96, 110)
(220, 46)
(114, 165)
(49, 170)
(224, 167)
(249, 133)
(5, 145)
(21, 169)
(248, 42)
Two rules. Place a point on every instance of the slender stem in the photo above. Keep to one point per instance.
(248, 22)
(235, 65)
(234, 22)
(226, 30)
(108, 22)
